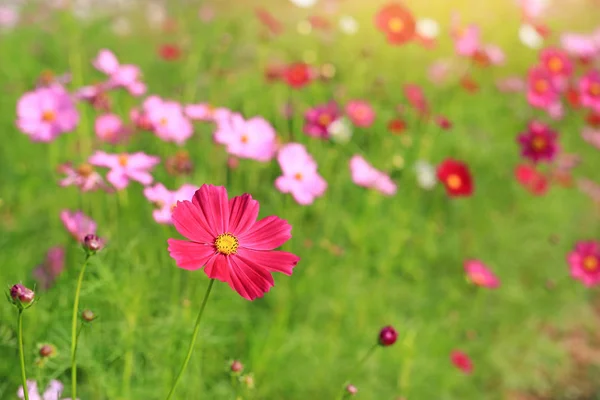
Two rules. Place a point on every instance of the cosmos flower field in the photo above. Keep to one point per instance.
(298, 199)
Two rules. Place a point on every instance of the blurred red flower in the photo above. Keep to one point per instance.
(531, 179)
(456, 177)
(169, 52)
(397, 22)
(298, 75)
(461, 361)
(396, 126)
(269, 21)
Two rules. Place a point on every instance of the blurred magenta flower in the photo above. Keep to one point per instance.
(166, 200)
(300, 176)
(206, 112)
(229, 242)
(538, 142)
(360, 113)
(365, 175)
(78, 224)
(584, 262)
(531, 179)
(167, 120)
(109, 128)
(480, 275)
(589, 90)
(254, 138)
(466, 39)
(45, 113)
(461, 361)
(84, 177)
(387, 336)
(318, 119)
(127, 76)
(541, 91)
(125, 167)
(46, 273)
(559, 65)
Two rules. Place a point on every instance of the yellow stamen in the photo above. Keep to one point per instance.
(298, 176)
(123, 159)
(454, 181)
(595, 89)
(555, 64)
(244, 138)
(226, 244)
(539, 143)
(396, 25)
(541, 86)
(85, 170)
(591, 263)
(48, 116)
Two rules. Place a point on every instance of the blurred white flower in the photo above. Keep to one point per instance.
(156, 14)
(428, 28)
(530, 37)
(121, 26)
(426, 175)
(304, 3)
(348, 25)
(340, 130)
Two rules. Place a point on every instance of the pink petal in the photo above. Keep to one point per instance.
(266, 234)
(280, 261)
(191, 223)
(218, 268)
(243, 212)
(190, 255)
(213, 203)
(248, 279)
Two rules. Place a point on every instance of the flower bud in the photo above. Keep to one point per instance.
(21, 294)
(351, 389)
(387, 336)
(47, 350)
(88, 315)
(92, 243)
(236, 366)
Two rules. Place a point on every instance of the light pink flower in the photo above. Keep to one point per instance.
(590, 188)
(494, 54)
(592, 136)
(360, 113)
(541, 91)
(206, 112)
(480, 275)
(300, 176)
(84, 177)
(45, 113)
(166, 200)
(254, 138)
(589, 90)
(78, 224)
(580, 46)
(511, 84)
(584, 262)
(466, 39)
(124, 167)
(109, 128)
(127, 76)
(167, 120)
(46, 273)
(363, 174)
(439, 71)
(9, 17)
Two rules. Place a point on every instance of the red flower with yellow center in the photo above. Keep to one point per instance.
(456, 177)
(397, 23)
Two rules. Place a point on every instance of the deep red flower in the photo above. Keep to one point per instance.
(396, 126)
(593, 119)
(226, 239)
(531, 179)
(572, 97)
(456, 177)
(461, 361)
(298, 75)
(396, 22)
(443, 122)
(169, 52)
(269, 21)
(388, 336)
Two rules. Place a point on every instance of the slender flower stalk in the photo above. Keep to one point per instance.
(193, 341)
(74, 331)
(22, 356)
(22, 298)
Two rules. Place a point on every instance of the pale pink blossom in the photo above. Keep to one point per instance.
(300, 176)
(206, 112)
(254, 138)
(78, 224)
(109, 128)
(166, 200)
(360, 113)
(84, 177)
(167, 120)
(127, 76)
(125, 167)
(592, 136)
(364, 174)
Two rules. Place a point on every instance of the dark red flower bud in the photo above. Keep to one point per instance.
(387, 336)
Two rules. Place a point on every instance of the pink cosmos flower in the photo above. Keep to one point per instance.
(254, 138)
(109, 128)
(416, 98)
(541, 91)
(166, 200)
(466, 39)
(580, 46)
(360, 113)
(461, 361)
(364, 174)
(439, 71)
(84, 177)
(539, 142)
(300, 176)
(480, 275)
(589, 90)
(229, 242)
(584, 262)
(124, 167)
(318, 119)
(127, 76)
(54, 264)
(494, 54)
(78, 224)
(167, 120)
(53, 391)
(206, 112)
(45, 113)
(592, 136)
(559, 65)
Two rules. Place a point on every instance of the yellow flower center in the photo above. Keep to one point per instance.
(85, 170)
(244, 138)
(163, 121)
(591, 263)
(226, 244)
(396, 25)
(48, 116)
(324, 119)
(454, 181)
(173, 207)
(595, 89)
(298, 176)
(123, 159)
(541, 86)
(478, 278)
(539, 143)
(555, 64)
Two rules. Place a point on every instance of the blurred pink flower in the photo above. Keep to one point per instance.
(556, 111)
(539, 142)
(592, 136)
(511, 84)
(45, 113)
(9, 17)
(480, 275)
(254, 138)
(206, 112)
(439, 71)
(54, 391)
(584, 262)
(590, 188)
(300, 176)
(78, 224)
(109, 128)
(466, 39)
(494, 54)
(166, 200)
(46, 273)
(318, 119)
(206, 13)
(541, 91)
(124, 167)
(363, 174)
(589, 90)
(167, 120)
(559, 65)
(580, 46)
(84, 177)
(416, 98)
(127, 76)
(360, 113)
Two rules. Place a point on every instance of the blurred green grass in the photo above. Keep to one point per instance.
(402, 256)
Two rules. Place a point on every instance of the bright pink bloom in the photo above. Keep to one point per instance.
(318, 119)
(466, 39)
(541, 91)
(532, 180)
(54, 264)
(78, 224)
(300, 176)
(127, 76)
(254, 138)
(109, 128)
(360, 113)
(206, 112)
(592, 136)
(461, 361)
(84, 177)
(166, 200)
(167, 120)
(480, 275)
(229, 242)
(45, 113)
(416, 98)
(364, 174)
(124, 167)
(539, 142)
(589, 90)
(584, 262)
(559, 65)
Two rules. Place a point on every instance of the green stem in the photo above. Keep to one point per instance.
(193, 341)
(22, 356)
(359, 366)
(74, 331)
